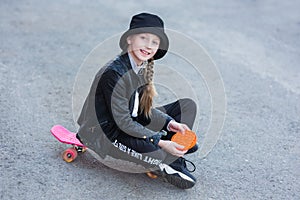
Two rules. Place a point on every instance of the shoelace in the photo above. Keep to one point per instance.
(185, 165)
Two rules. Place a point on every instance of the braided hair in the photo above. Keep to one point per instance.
(149, 90)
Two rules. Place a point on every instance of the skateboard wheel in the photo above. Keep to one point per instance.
(69, 155)
(151, 175)
(188, 140)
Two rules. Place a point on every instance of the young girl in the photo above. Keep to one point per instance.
(118, 118)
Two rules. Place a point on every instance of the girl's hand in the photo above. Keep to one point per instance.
(172, 147)
(177, 127)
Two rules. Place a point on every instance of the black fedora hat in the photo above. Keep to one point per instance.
(147, 23)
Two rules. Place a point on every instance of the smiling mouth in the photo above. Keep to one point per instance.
(144, 52)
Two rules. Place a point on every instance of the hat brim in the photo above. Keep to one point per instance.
(164, 41)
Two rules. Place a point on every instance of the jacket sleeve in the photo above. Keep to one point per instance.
(116, 91)
(159, 120)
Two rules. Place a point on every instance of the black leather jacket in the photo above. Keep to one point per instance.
(109, 106)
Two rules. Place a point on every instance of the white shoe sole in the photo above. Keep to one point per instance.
(177, 178)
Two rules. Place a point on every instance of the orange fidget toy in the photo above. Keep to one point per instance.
(188, 140)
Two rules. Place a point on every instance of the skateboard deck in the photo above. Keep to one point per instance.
(67, 137)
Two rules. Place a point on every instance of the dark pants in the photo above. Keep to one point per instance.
(183, 110)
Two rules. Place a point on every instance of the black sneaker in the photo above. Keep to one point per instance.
(177, 174)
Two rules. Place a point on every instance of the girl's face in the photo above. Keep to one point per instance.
(142, 46)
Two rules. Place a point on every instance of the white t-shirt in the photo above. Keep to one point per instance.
(136, 69)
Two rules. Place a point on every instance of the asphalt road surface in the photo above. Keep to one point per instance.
(254, 44)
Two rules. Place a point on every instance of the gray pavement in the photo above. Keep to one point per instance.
(255, 45)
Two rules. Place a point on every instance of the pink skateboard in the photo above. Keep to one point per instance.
(67, 137)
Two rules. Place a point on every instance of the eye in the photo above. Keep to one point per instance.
(155, 43)
(142, 37)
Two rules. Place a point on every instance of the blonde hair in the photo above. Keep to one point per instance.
(149, 90)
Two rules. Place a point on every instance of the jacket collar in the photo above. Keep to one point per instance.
(134, 66)
(125, 59)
